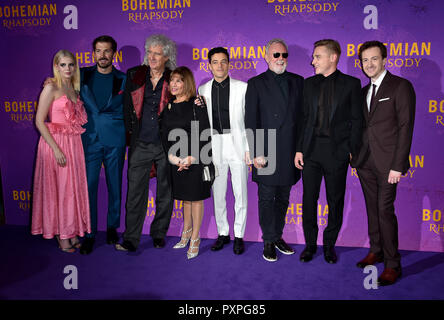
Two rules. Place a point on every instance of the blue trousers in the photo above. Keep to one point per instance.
(113, 159)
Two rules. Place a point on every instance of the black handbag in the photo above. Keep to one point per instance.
(209, 171)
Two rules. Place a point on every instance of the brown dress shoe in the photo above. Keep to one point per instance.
(389, 276)
(370, 259)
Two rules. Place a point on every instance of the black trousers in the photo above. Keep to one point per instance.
(322, 163)
(273, 205)
(382, 223)
(140, 162)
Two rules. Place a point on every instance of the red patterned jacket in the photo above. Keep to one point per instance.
(133, 101)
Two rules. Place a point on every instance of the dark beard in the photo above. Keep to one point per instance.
(104, 66)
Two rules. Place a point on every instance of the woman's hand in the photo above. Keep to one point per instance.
(185, 163)
(60, 157)
(174, 160)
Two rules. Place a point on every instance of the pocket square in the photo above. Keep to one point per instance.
(383, 99)
(120, 92)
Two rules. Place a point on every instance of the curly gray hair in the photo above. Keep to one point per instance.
(168, 46)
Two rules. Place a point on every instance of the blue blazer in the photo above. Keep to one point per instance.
(105, 123)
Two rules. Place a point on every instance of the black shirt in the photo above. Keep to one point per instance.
(325, 104)
(149, 131)
(281, 80)
(220, 96)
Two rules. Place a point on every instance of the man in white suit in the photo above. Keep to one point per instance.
(225, 99)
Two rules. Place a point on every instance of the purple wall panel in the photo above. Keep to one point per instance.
(32, 31)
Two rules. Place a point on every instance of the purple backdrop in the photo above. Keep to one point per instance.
(32, 31)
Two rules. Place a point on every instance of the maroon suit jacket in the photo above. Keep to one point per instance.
(388, 128)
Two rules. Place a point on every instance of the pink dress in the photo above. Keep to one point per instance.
(60, 203)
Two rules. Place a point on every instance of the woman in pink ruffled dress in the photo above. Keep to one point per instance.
(60, 204)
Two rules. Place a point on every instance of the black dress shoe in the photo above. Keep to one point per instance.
(87, 246)
(330, 254)
(126, 246)
(283, 247)
(238, 246)
(308, 253)
(159, 242)
(269, 252)
(219, 244)
(111, 236)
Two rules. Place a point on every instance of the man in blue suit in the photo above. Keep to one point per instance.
(104, 139)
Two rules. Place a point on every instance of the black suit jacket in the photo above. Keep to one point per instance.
(388, 129)
(346, 117)
(265, 108)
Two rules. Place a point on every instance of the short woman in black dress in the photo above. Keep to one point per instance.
(187, 162)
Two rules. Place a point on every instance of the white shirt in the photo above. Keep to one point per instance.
(377, 82)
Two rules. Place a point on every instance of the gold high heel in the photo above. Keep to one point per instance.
(183, 240)
(191, 255)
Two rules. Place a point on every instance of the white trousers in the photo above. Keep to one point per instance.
(226, 157)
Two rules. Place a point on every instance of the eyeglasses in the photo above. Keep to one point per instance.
(278, 54)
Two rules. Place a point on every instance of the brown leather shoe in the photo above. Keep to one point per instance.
(370, 259)
(389, 276)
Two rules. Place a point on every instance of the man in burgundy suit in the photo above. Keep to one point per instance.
(384, 155)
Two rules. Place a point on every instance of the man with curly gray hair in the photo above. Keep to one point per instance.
(168, 48)
(146, 94)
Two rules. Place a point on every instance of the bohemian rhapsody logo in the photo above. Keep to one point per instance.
(20, 111)
(146, 10)
(289, 7)
(437, 107)
(34, 15)
(86, 58)
(416, 162)
(22, 198)
(177, 209)
(241, 58)
(294, 215)
(400, 54)
(435, 219)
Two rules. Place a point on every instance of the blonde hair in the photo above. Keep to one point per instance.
(75, 80)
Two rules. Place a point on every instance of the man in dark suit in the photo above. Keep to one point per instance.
(146, 94)
(389, 110)
(273, 112)
(330, 138)
(104, 139)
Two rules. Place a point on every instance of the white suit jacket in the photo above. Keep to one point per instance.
(237, 113)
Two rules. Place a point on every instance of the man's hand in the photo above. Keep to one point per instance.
(299, 160)
(394, 176)
(47, 81)
(200, 101)
(259, 162)
(247, 158)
